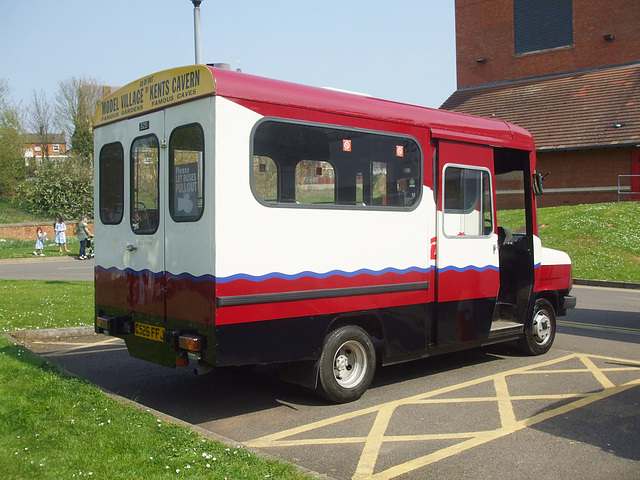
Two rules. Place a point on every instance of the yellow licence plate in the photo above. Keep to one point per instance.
(150, 332)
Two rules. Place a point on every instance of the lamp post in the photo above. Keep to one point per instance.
(196, 30)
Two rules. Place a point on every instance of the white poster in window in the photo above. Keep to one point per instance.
(185, 192)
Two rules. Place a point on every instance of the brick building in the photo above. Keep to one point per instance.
(37, 146)
(568, 71)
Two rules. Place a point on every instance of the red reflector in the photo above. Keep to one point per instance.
(182, 361)
(189, 342)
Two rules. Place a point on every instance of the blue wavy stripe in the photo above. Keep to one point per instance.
(193, 278)
(319, 276)
(471, 268)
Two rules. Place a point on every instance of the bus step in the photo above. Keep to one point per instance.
(502, 327)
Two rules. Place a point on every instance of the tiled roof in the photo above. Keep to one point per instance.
(49, 138)
(597, 108)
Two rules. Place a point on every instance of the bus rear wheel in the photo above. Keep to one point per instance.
(347, 364)
(540, 329)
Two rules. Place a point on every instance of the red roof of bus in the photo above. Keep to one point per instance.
(443, 124)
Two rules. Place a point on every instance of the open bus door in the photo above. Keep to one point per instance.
(467, 259)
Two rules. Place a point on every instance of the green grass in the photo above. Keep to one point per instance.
(55, 426)
(10, 213)
(35, 304)
(603, 240)
(24, 248)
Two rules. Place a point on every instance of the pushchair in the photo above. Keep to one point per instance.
(89, 247)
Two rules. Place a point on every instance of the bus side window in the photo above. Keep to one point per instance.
(111, 183)
(297, 164)
(467, 202)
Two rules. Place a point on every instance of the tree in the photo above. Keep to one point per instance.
(65, 189)
(76, 103)
(41, 120)
(12, 170)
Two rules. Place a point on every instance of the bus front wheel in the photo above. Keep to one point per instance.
(347, 364)
(540, 329)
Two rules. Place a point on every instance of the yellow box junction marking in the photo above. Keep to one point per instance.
(373, 441)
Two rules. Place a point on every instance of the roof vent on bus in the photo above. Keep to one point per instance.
(225, 66)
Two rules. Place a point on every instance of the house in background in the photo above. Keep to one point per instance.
(569, 72)
(37, 146)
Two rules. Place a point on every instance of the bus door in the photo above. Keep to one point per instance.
(143, 232)
(189, 245)
(467, 261)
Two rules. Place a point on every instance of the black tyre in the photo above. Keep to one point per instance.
(347, 364)
(540, 329)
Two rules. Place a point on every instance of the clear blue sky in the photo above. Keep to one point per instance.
(401, 50)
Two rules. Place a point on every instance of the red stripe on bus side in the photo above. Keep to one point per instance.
(271, 311)
(553, 277)
(278, 285)
(468, 284)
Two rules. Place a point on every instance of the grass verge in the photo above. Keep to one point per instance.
(55, 426)
(24, 248)
(603, 240)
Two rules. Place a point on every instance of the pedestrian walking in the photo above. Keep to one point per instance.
(83, 235)
(61, 236)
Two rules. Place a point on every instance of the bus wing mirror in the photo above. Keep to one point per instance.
(538, 178)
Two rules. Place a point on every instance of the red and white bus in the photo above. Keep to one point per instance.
(243, 220)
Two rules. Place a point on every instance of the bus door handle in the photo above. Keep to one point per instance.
(131, 248)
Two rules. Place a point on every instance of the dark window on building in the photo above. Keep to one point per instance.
(111, 183)
(542, 25)
(323, 166)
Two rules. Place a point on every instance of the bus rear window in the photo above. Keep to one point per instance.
(313, 165)
(111, 183)
(186, 168)
(145, 199)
